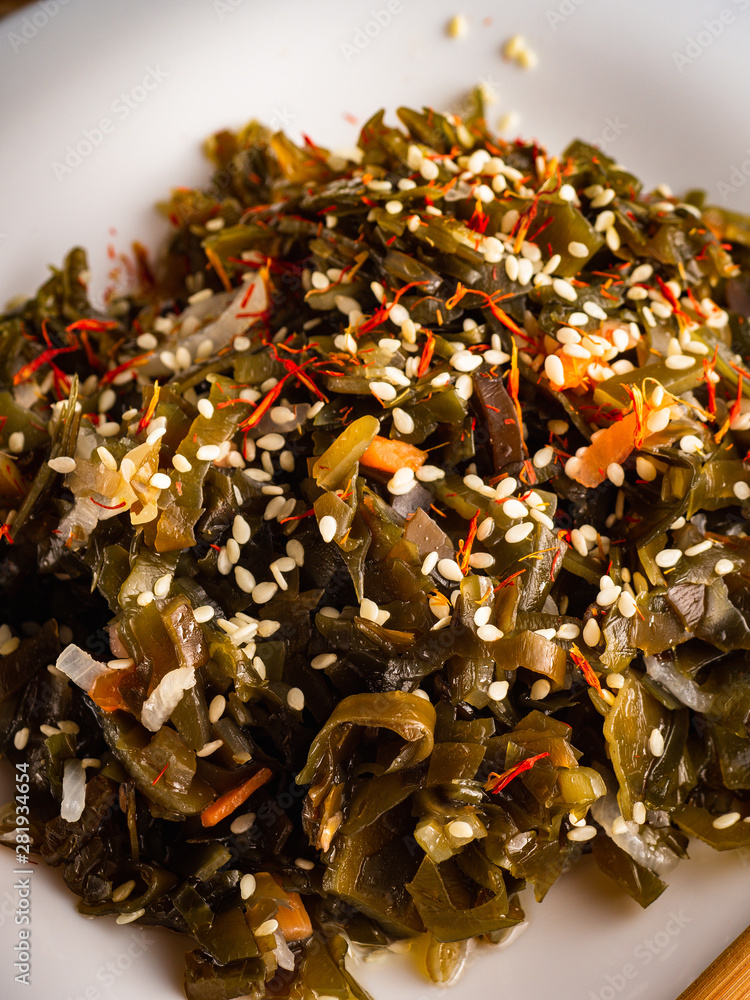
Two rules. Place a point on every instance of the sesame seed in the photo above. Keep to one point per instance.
(21, 738)
(691, 444)
(723, 566)
(304, 864)
(181, 463)
(216, 708)
(429, 564)
(242, 823)
(481, 560)
(543, 457)
(296, 551)
(223, 562)
(626, 604)
(460, 830)
(162, 585)
(128, 918)
(244, 579)
(429, 473)
(63, 464)
(696, 550)
(208, 453)
(204, 613)
(17, 441)
(741, 490)
(656, 743)
(208, 748)
(568, 631)
(639, 813)
(145, 598)
(160, 481)
(576, 249)
(591, 632)
(383, 391)
(327, 527)
(240, 530)
(608, 596)
(726, 820)
(248, 886)
(402, 421)
(564, 289)
(450, 569)
(489, 633)
(428, 169)
(645, 468)
(667, 558)
(295, 699)
(273, 508)
(368, 610)
(123, 891)
(553, 369)
(465, 361)
(323, 660)
(263, 592)
(498, 690)
(546, 633)
(540, 689)
(581, 833)
(206, 408)
(107, 458)
(485, 529)
(519, 532)
(482, 614)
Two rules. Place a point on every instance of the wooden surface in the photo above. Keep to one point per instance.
(727, 977)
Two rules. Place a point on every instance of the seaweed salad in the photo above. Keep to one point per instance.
(380, 551)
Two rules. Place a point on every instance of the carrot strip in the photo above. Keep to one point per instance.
(390, 455)
(226, 804)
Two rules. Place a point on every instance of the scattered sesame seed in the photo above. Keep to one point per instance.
(581, 833)
(63, 464)
(553, 369)
(208, 748)
(519, 532)
(429, 563)
(460, 829)
(248, 886)
(216, 708)
(699, 547)
(543, 457)
(679, 362)
(383, 391)
(591, 632)
(368, 610)
(21, 738)
(646, 469)
(569, 630)
(576, 249)
(241, 824)
(564, 289)
(295, 699)
(208, 453)
(723, 566)
(262, 593)
(741, 490)
(323, 660)
(498, 690)
(656, 743)
(450, 569)
(540, 689)
(327, 527)
(639, 813)
(160, 481)
(626, 604)
(726, 820)
(145, 598)
(667, 558)
(128, 918)
(489, 633)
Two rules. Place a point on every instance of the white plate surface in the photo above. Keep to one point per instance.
(662, 87)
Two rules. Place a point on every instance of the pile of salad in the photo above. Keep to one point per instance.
(381, 552)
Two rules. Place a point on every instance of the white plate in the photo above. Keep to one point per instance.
(664, 89)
